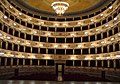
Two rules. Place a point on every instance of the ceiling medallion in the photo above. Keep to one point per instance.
(60, 7)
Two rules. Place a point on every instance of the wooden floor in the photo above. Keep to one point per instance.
(50, 82)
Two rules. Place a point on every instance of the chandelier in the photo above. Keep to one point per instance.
(60, 7)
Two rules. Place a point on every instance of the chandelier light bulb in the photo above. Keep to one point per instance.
(60, 7)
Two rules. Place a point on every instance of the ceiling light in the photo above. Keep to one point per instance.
(72, 34)
(108, 57)
(28, 43)
(65, 46)
(86, 33)
(97, 58)
(11, 7)
(55, 46)
(40, 45)
(119, 34)
(91, 20)
(102, 42)
(22, 56)
(73, 58)
(101, 14)
(12, 55)
(106, 25)
(14, 24)
(0, 34)
(30, 19)
(60, 7)
(35, 32)
(65, 24)
(24, 29)
(2, 53)
(42, 22)
(20, 13)
(88, 58)
(92, 44)
(48, 34)
(97, 29)
(110, 7)
(79, 23)
(5, 17)
(79, 46)
(18, 41)
(8, 37)
(115, 18)
(117, 56)
(112, 39)
(33, 56)
(56, 24)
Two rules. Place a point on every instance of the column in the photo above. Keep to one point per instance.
(38, 62)
(0, 61)
(81, 63)
(46, 62)
(108, 62)
(96, 63)
(23, 62)
(73, 62)
(5, 61)
(88, 63)
(17, 62)
(11, 61)
(30, 62)
(114, 63)
(102, 63)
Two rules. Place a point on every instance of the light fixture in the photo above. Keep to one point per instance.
(5, 17)
(119, 34)
(97, 29)
(72, 34)
(30, 19)
(24, 29)
(41, 45)
(112, 39)
(79, 46)
(8, 37)
(102, 42)
(12, 55)
(92, 44)
(65, 46)
(11, 7)
(56, 24)
(91, 20)
(20, 13)
(79, 23)
(86, 33)
(106, 25)
(2, 53)
(0, 34)
(42, 22)
(117, 56)
(60, 7)
(14, 24)
(55, 46)
(110, 7)
(115, 18)
(35, 32)
(18, 41)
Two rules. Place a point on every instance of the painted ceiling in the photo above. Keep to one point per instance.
(75, 5)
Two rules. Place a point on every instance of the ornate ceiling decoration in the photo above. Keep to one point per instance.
(76, 7)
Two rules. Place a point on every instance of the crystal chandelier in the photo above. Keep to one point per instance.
(60, 7)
